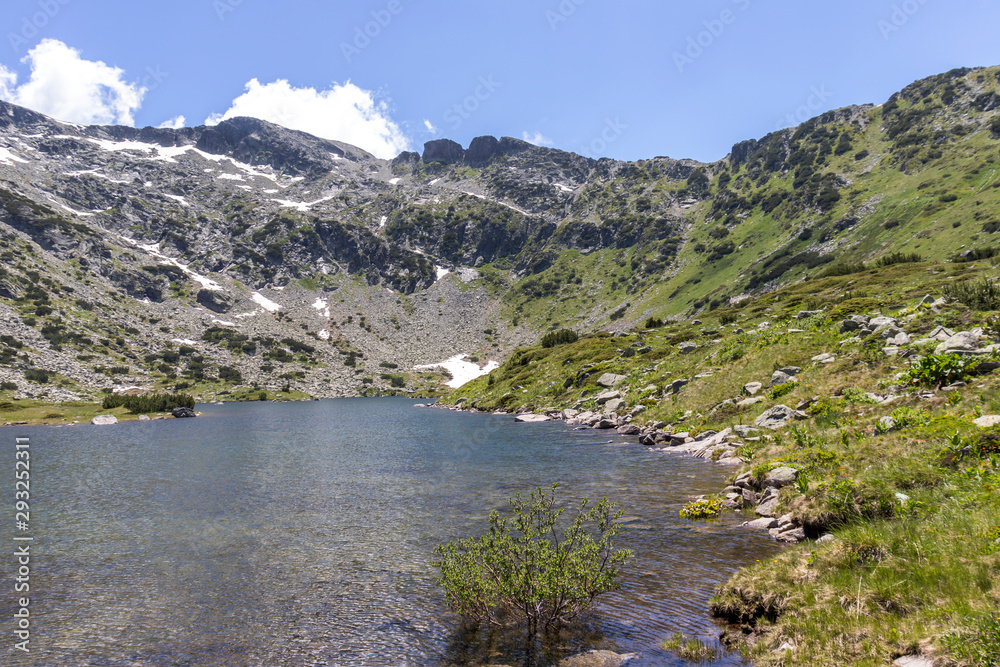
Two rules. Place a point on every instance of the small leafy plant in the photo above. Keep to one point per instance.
(702, 509)
(936, 370)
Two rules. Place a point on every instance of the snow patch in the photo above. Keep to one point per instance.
(95, 174)
(154, 250)
(394, 181)
(324, 334)
(303, 207)
(323, 306)
(184, 341)
(9, 158)
(75, 212)
(224, 323)
(250, 314)
(462, 372)
(435, 181)
(176, 198)
(265, 303)
(441, 272)
(563, 187)
(385, 219)
(230, 177)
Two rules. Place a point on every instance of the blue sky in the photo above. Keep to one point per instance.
(626, 79)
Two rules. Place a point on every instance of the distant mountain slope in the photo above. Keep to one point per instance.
(118, 242)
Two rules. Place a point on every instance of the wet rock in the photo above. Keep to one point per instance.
(104, 420)
(597, 659)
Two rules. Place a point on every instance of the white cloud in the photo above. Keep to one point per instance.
(430, 127)
(65, 86)
(342, 113)
(175, 123)
(537, 138)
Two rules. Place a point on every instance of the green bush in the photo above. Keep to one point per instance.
(37, 375)
(151, 403)
(653, 323)
(981, 295)
(561, 337)
(894, 258)
(526, 570)
(936, 370)
(981, 647)
(702, 509)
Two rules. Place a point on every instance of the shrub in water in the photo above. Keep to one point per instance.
(525, 570)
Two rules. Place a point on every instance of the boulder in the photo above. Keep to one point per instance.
(987, 421)
(776, 417)
(614, 405)
(676, 386)
(806, 314)
(781, 477)
(144, 418)
(902, 338)
(752, 388)
(183, 413)
(747, 402)
(606, 396)
(768, 507)
(964, 342)
(629, 429)
(610, 380)
(876, 323)
(941, 333)
(638, 410)
(779, 378)
(825, 358)
(913, 661)
(532, 419)
(214, 301)
(687, 347)
(763, 523)
(104, 420)
(792, 535)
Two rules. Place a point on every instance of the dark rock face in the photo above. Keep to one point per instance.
(406, 158)
(742, 151)
(443, 150)
(214, 301)
(481, 150)
(183, 413)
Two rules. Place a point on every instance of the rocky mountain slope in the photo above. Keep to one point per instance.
(216, 259)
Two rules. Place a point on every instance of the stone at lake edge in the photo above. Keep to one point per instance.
(183, 413)
(104, 420)
(531, 419)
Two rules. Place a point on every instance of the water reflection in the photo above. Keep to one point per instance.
(300, 534)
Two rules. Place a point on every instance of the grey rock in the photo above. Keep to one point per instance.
(781, 477)
(532, 419)
(747, 402)
(887, 423)
(876, 322)
(614, 405)
(779, 378)
(776, 417)
(806, 314)
(606, 396)
(183, 413)
(902, 338)
(104, 420)
(987, 421)
(791, 370)
(829, 537)
(638, 410)
(629, 429)
(744, 431)
(687, 347)
(445, 151)
(763, 523)
(962, 342)
(144, 418)
(767, 508)
(610, 380)
(913, 661)
(752, 388)
(675, 386)
(793, 536)
(941, 333)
